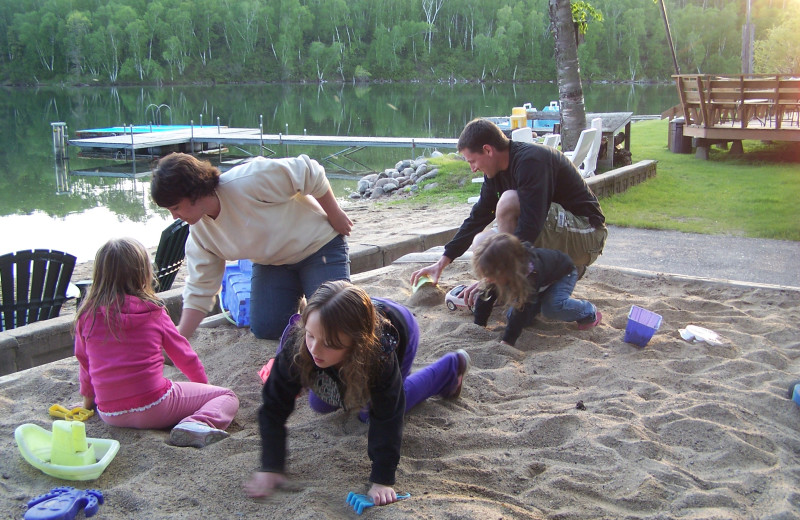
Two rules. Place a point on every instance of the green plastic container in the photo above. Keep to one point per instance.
(36, 446)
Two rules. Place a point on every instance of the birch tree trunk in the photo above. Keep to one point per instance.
(570, 91)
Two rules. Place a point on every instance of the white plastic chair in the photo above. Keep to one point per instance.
(585, 141)
(523, 135)
(477, 180)
(552, 140)
(590, 163)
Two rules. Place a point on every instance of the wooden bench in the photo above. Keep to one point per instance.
(788, 102)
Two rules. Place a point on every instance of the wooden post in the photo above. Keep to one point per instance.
(669, 36)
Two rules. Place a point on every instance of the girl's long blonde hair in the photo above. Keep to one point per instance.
(502, 257)
(121, 268)
(344, 309)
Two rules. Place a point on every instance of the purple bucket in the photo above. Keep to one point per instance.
(642, 324)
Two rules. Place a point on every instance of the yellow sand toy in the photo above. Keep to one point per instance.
(65, 452)
(422, 280)
(76, 414)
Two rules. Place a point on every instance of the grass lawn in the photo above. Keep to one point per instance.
(755, 195)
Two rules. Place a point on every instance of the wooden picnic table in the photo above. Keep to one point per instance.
(613, 124)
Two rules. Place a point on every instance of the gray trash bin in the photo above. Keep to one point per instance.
(678, 143)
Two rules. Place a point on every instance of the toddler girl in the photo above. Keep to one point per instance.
(531, 280)
(120, 330)
(351, 350)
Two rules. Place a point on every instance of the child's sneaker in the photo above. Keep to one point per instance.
(464, 362)
(598, 317)
(195, 434)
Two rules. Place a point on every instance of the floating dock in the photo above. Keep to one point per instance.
(196, 138)
(151, 140)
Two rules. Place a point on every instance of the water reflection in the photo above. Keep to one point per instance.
(86, 209)
(121, 207)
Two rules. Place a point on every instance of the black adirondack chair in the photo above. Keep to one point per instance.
(170, 254)
(33, 286)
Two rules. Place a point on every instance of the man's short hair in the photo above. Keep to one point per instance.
(479, 132)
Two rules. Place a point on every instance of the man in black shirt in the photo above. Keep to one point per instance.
(533, 191)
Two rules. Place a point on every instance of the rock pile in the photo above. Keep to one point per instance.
(405, 177)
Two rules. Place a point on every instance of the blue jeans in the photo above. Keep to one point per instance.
(275, 290)
(558, 304)
(555, 303)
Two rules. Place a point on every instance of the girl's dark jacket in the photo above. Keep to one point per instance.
(387, 401)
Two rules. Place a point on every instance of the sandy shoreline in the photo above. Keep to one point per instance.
(671, 430)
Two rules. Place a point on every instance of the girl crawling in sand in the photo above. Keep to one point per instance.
(530, 280)
(120, 330)
(351, 351)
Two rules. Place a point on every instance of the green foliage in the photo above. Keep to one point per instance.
(582, 13)
(361, 74)
(779, 52)
(131, 41)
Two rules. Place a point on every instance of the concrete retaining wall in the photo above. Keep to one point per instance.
(620, 179)
(51, 340)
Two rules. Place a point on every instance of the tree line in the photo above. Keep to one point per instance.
(185, 41)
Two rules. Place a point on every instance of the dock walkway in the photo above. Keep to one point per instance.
(223, 136)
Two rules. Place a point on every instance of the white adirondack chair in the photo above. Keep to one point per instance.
(523, 135)
(590, 163)
(584, 146)
(552, 140)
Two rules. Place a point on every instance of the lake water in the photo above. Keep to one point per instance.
(77, 206)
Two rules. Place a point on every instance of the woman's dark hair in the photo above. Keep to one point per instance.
(479, 132)
(182, 176)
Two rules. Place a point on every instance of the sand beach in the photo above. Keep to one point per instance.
(568, 424)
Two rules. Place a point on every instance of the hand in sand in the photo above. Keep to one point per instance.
(88, 403)
(382, 495)
(434, 271)
(263, 483)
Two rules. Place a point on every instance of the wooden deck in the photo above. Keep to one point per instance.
(722, 109)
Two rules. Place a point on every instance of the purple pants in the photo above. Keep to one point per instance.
(185, 402)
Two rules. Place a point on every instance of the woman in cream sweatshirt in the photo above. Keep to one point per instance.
(279, 213)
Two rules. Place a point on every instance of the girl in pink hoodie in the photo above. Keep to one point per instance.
(120, 330)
